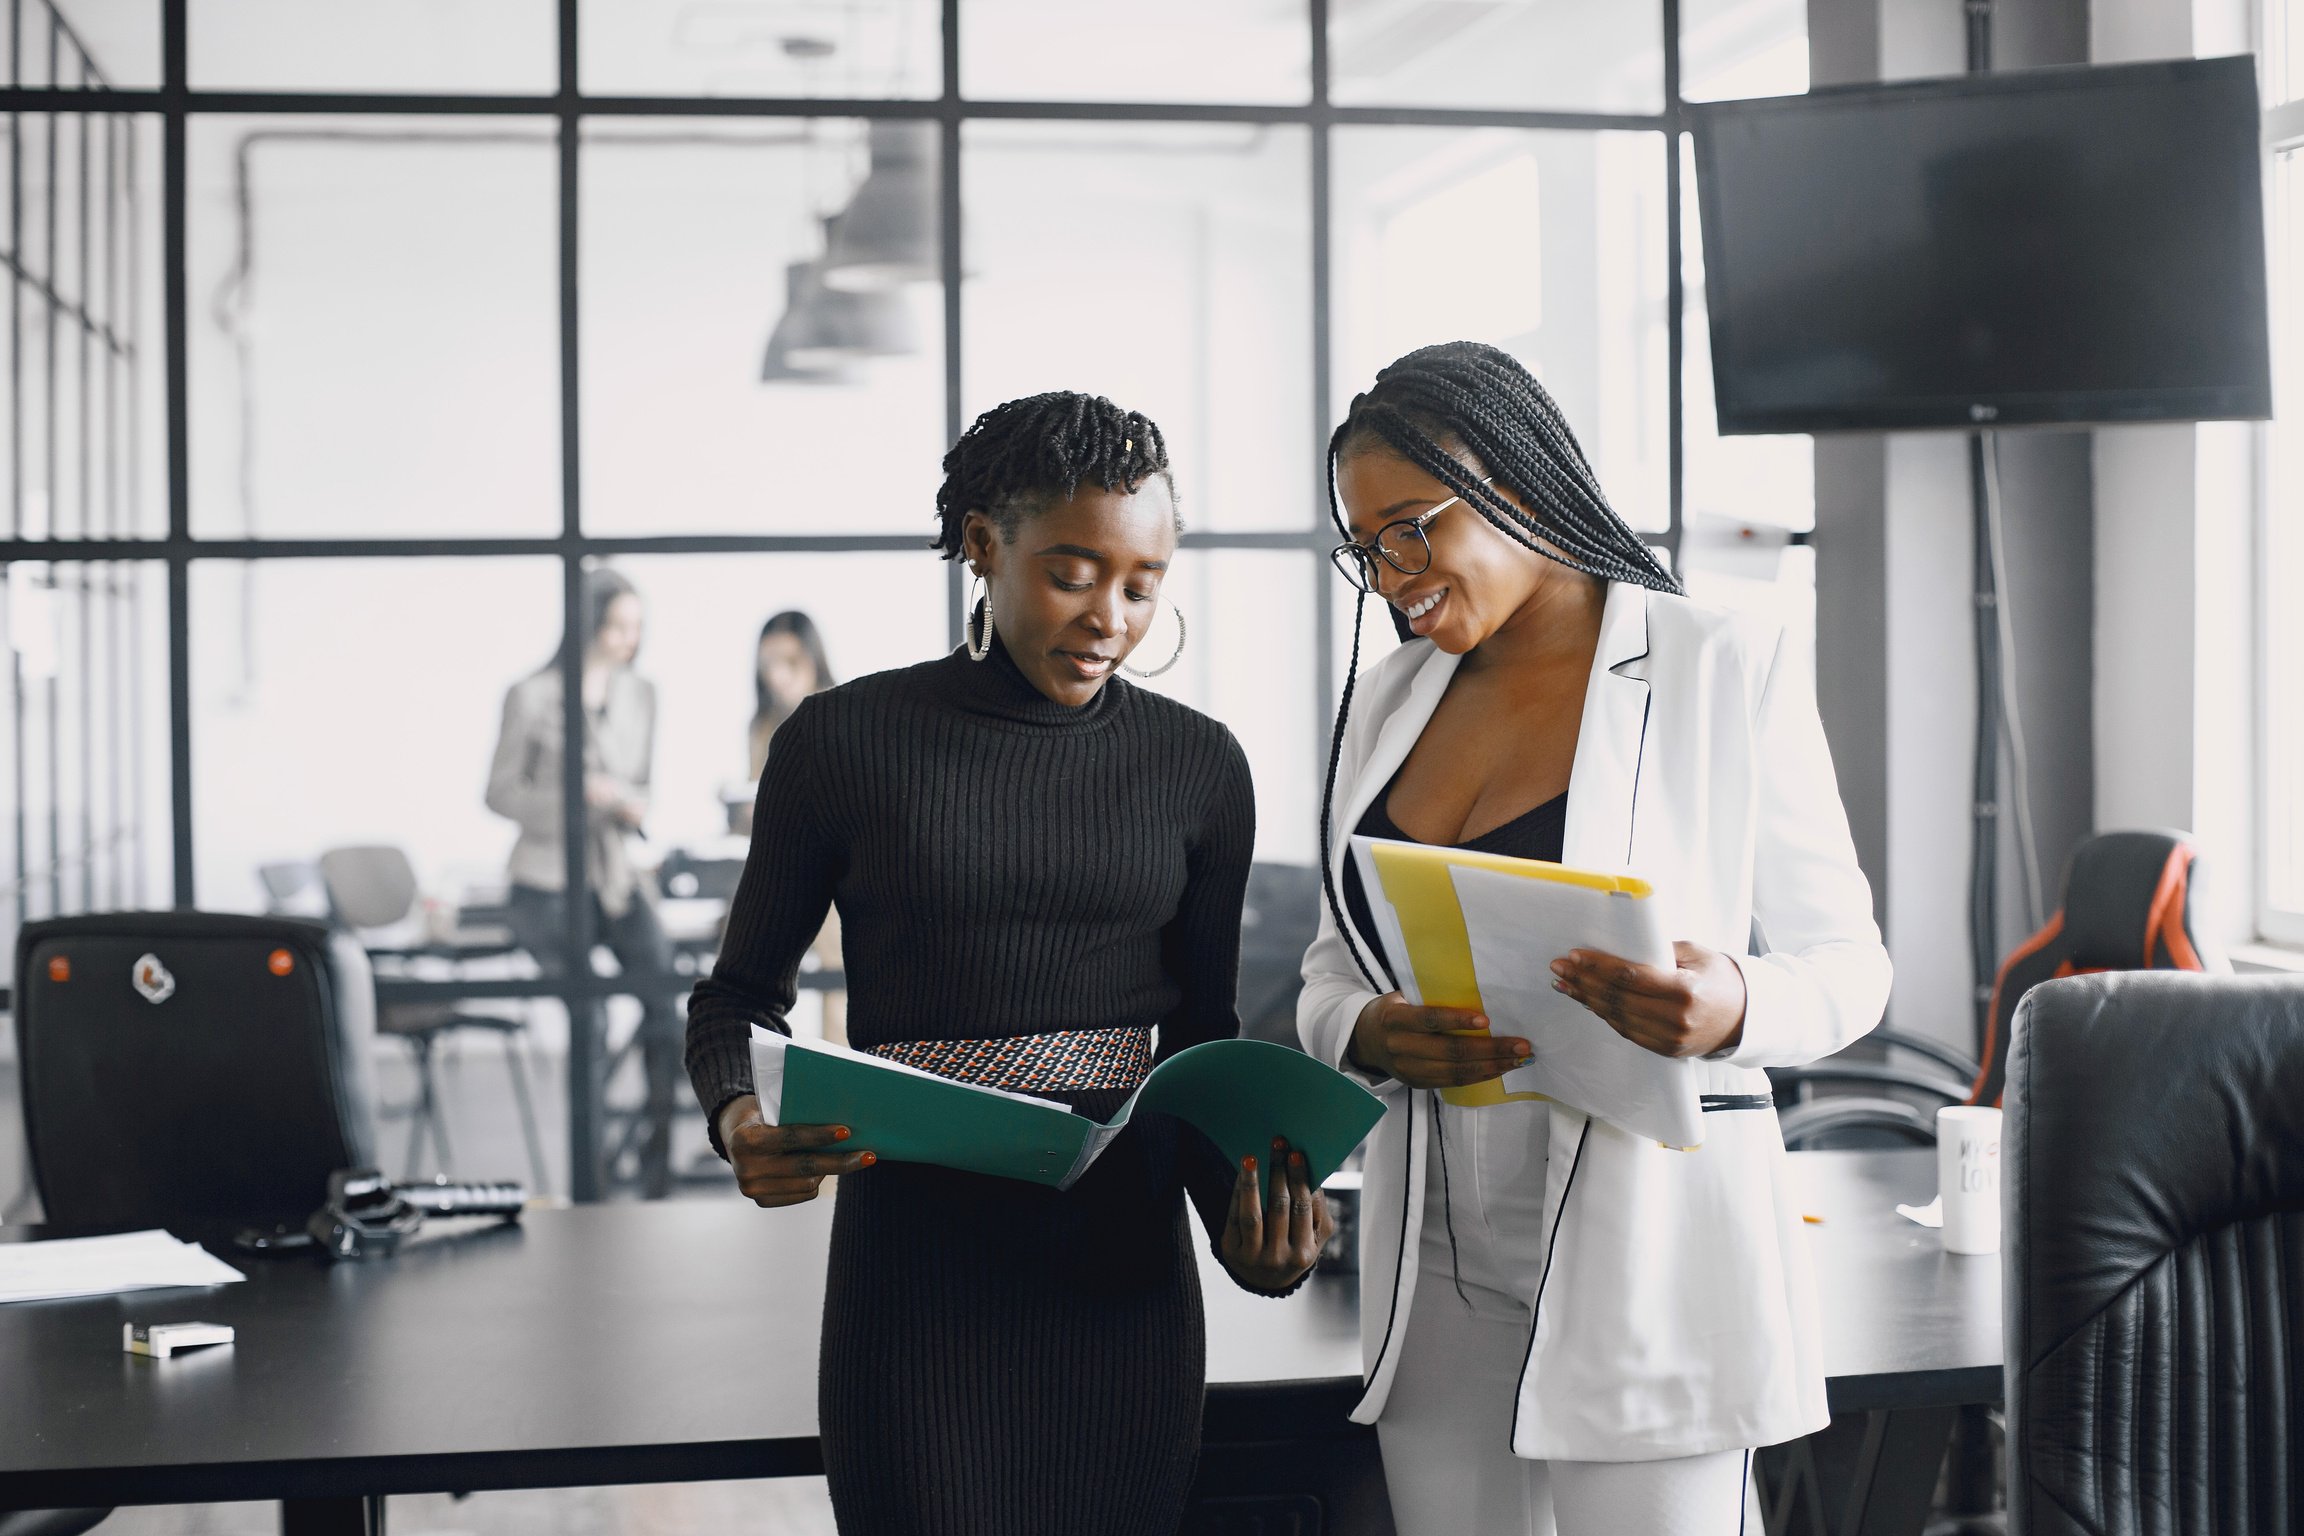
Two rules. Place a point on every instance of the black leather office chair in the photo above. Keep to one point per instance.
(2127, 905)
(187, 1069)
(2153, 1256)
(191, 1068)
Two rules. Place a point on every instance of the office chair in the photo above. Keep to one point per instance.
(292, 888)
(689, 875)
(2127, 905)
(191, 1067)
(2152, 1254)
(373, 889)
(187, 1069)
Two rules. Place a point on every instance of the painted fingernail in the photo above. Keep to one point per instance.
(839, 1133)
(1523, 1061)
(867, 1158)
(1248, 1164)
(1278, 1142)
(1295, 1159)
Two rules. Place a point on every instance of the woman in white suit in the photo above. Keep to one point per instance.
(1560, 1320)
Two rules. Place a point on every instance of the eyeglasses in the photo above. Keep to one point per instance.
(1401, 545)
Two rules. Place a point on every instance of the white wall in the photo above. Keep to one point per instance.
(1896, 625)
(2174, 638)
(1931, 690)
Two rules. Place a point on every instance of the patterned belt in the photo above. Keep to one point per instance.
(1064, 1061)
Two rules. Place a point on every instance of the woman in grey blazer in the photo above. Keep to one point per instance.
(524, 786)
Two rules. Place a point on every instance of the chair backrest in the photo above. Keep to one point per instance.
(191, 1067)
(2127, 907)
(684, 874)
(369, 887)
(2153, 1256)
(290, 885)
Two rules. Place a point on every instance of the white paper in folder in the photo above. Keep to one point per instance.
(1517, 928)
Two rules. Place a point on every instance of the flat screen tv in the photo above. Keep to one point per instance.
(2054, 245)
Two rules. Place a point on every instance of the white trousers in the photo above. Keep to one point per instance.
(1446, 1430)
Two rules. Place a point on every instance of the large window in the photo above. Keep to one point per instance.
(349, 342)
(2281, 655)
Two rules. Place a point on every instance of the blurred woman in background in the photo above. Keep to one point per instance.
(788, 666)
(524, 786)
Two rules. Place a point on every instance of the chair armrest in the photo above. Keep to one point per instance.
(1960, 1066)
(1804, 1124)
(1865, 1072)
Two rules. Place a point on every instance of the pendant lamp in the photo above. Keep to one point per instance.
(887, 234)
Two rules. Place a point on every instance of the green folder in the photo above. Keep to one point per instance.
(1239, 1093)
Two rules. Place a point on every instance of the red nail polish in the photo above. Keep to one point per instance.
(868, 1158)
(1295, 1159)
(1248, 1163)
(839, 1133)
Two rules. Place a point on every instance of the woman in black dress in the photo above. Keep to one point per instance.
(1037, 866)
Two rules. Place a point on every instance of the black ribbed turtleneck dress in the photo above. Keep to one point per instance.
(999, 1357)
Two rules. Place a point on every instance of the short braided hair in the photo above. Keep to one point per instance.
(1469, 397)
(1025, 456)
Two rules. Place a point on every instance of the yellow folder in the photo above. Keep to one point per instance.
(1416, 881)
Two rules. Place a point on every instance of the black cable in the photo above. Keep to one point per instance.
(1984, 856)
(1984, 849)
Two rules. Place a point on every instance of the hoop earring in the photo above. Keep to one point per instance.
(977, 651)
(1172, 660)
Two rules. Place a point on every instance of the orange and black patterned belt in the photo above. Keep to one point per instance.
(1062, 1061)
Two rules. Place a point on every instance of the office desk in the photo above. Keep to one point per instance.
(676, 1341)
(604, 1344)
(1911, 1336)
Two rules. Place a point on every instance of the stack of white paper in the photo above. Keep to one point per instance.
(1517, 927)
(100, 1266)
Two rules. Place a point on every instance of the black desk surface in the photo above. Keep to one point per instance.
(1906, 1325)
(639, 1343)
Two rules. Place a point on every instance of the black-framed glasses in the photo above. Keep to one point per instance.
(1401, 545)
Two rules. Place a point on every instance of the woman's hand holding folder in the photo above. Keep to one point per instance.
(1430, 1047)
(1695, 1007)
(1269, 1243)
(783, 1164)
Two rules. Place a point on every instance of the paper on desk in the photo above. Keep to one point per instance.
(1929, 1215)
(101, 1266)
(1517, 928)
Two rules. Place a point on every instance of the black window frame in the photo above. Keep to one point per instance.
(175, 104)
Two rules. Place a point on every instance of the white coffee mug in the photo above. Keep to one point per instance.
(1968, 1177)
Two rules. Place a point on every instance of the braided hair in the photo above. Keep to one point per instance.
(1027, 455)
(1464, 397)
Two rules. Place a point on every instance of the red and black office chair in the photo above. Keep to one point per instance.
(2127, 906)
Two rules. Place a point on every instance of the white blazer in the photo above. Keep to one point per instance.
(1675, 1311)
